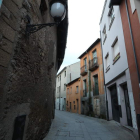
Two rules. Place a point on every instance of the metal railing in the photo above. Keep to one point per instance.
(84, 69)
(93, 63)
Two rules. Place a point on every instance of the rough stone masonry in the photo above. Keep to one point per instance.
(27, 69)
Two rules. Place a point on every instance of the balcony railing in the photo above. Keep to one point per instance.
(85, 93)
(84, 70)
(93, 64)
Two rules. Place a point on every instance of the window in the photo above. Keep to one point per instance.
(59, 89)
(96, 88)
(64, 87)
(68, 90)
(74, 107)
(85, 88)
(74, 102)
(43, 7)
(67, 103)
(107, 62)
(94, 54)
(71, 89)
(104, 34)
(85, 63)
(111, 16)
(77, 89)
(58, 79)
(116, 51)
(70, 77)
(65, 73)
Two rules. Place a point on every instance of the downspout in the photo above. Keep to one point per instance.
(104, 81)
(89, 75)
(132, 39)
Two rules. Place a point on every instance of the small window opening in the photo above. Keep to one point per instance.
(19, 127)
(43, 7)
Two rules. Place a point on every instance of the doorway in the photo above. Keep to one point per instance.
(77, 105)
(115, 106)
(70, 106)
(127, 104)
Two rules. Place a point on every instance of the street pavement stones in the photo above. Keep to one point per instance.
(71, 126)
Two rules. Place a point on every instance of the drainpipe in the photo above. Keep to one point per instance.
(89, 75)
(104, 82)
(132, 39)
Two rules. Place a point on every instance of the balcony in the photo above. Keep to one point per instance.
(114, 2)
(93, 64)
(84, 70)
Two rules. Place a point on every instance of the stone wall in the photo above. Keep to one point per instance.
(27, 69)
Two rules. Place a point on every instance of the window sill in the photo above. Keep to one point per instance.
(111, 22)
(116, 58)
(108, 68)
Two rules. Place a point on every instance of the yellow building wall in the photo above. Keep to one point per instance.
(72, 97)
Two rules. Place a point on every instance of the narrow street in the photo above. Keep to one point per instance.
(70, 126)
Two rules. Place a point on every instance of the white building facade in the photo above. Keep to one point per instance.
(119, 96)
(67, 75)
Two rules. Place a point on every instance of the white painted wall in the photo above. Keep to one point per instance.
(115, 31)
(74, 69)
(120, 67)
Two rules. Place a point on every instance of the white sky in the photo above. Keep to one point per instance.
(84, 29)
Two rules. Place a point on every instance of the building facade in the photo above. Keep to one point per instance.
(118, 80)
(92, 81)
(73, 97)
(130, 16)
(64, 77)
(28, 67)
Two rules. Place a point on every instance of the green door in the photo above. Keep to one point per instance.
(96, 85)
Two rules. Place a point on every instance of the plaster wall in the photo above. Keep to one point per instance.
(90, 74)
(73, 96)
(74, 71)
(113, 32)
(27, 69)
(121, 99)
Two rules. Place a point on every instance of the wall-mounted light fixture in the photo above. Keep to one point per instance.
(57, 11)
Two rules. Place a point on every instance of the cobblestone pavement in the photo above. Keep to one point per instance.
(70, 126)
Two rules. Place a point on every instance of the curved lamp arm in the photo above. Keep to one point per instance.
(32, 28)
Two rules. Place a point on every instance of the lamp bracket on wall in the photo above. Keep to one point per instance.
(32, 28)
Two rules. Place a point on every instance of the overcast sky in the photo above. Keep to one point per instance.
(84, 29)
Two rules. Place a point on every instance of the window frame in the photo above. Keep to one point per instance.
(111, 16)
(117, 56)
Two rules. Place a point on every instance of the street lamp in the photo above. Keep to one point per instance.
(57, 11)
